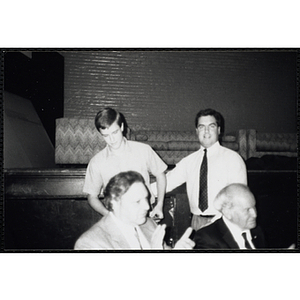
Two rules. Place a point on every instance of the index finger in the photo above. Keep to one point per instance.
(160, 228)
(187, 233)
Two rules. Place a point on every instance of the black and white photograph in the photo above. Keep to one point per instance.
(150, 150)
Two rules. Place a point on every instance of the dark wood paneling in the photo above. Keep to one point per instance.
(276, 202)
(46, 209)
(46, 224)
(44, 184)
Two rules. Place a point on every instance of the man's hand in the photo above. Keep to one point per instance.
(157, 213)
(158, 236)
(185, 242)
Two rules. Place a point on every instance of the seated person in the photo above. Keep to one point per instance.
(236, 229)
(127, 225)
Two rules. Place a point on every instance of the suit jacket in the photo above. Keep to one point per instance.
(218, 236)
(105, 235)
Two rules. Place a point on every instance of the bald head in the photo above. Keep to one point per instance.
(237, 204)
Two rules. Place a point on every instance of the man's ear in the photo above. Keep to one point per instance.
(122, 127)
(227, 210)
(219, 130)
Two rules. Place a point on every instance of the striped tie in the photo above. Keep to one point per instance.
(203, 183)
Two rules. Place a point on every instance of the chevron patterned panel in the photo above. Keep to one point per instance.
(164, 136)
(76, 141)
(242, 141)
(280, 142)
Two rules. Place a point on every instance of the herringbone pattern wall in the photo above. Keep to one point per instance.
(77, 141)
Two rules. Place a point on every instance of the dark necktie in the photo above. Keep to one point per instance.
(247, 245)
(203, 183)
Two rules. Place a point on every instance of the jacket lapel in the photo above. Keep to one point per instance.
(148, 229)
(226, 235)
(114, 236)
(258, 238)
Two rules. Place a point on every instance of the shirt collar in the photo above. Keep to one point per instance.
(212, 149)
(129, 232)
(236, 230)
(109, 152)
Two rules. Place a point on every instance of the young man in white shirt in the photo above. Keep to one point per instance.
(121, 155)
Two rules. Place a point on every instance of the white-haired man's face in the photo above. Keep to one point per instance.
(243, 213)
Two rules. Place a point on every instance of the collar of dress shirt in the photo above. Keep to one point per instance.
(249, 237)
(129, 232)
(212, 149)
(237, 233)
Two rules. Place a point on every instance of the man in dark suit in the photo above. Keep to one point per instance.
(236, 229)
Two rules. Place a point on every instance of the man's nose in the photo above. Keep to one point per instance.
(253, 212)
(111, 138)
(146, 204)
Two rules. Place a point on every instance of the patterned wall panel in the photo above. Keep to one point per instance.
(77, 141)
(260, 144)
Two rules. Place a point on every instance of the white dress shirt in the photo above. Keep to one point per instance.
(133, 234)
(105, 164)
(237, 234)
(225, 166)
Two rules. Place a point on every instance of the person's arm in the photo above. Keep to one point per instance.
(157, 241)
(96, 204)
(174, 178)
(161, 190)
(238, 171)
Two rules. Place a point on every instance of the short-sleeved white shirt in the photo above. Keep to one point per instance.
(225, 166)
(136, 156)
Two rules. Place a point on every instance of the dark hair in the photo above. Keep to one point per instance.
(106, 117)
(119, 185)
(209, 112)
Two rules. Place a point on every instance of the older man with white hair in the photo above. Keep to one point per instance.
(236, 229)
